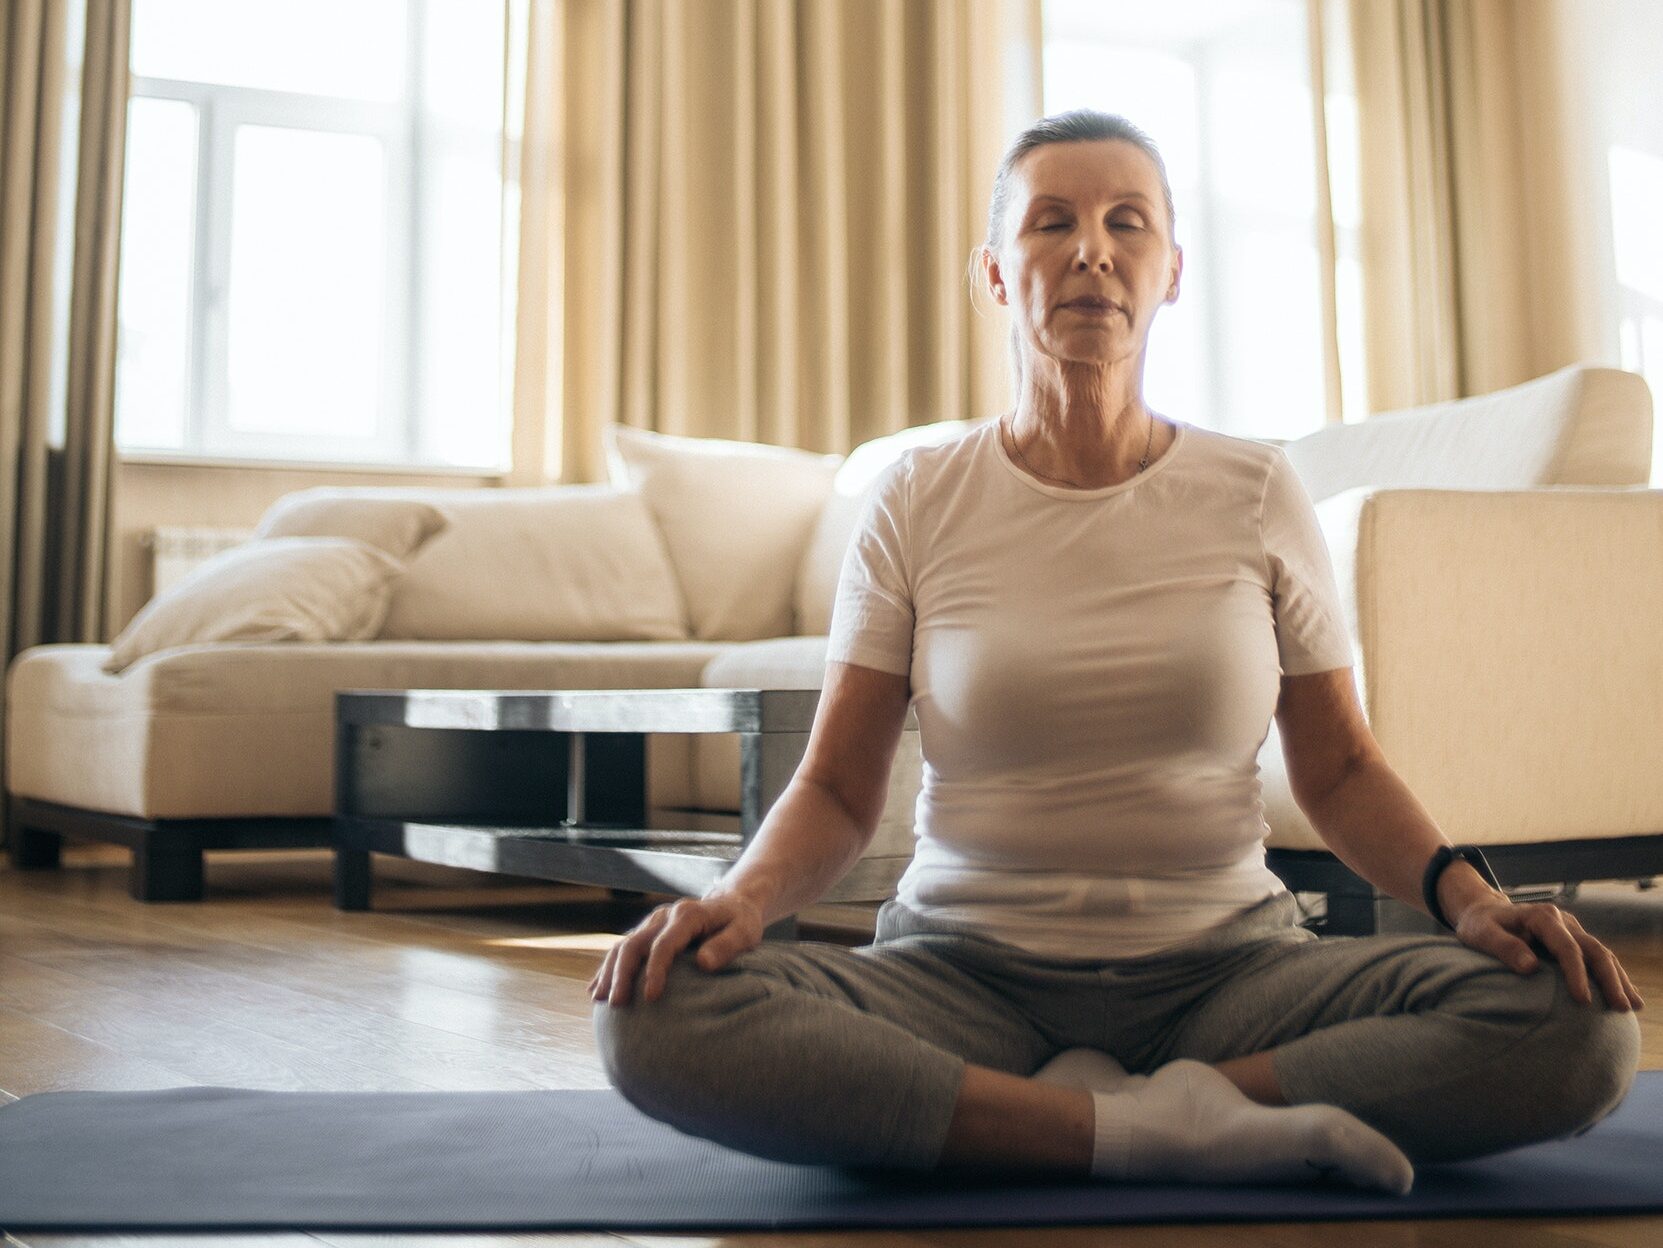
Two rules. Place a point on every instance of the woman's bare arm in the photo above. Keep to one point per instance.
(1359, 806)
(1366, 814)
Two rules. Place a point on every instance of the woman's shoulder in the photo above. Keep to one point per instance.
(1236, 469)
(899, 454)
(1261, 452)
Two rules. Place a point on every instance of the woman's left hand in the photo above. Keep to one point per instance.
(1507, 932)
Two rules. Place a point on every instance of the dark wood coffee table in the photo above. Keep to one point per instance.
(551, 784)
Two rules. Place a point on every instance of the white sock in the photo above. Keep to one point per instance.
(1091, 1069)
(1188, 1122)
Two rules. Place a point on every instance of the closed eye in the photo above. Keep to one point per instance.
(1116, 225)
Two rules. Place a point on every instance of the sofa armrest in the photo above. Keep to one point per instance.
(1511, 659)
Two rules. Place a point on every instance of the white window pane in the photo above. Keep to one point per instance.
(462, 63)
(158, 227)
(1354, 378)
(1272, 354)
(464, 408)
(352, 48)
(1636, 200)
(1261, 129)
(1174, 370)
(1651, 357)
(307, 279)
(1153, 91)
(461, 336)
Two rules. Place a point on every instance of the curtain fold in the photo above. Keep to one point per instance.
(1470, 245)
(765, 213)
(55, 494)
(56, 510)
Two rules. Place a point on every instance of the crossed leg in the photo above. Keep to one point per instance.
(1442, 1048)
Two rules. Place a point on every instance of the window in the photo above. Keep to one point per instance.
(313, 238)
(1224, 89)
(1636, 192)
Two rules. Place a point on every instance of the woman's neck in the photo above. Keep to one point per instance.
(1084, 424)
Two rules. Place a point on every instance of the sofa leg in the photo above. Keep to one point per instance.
(30, 849)
(165, 874)
(352, 879)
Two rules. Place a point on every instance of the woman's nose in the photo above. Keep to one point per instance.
(1095, 253)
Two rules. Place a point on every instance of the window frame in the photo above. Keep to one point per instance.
(221, 110)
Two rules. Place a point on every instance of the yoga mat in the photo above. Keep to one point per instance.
(235, 1158)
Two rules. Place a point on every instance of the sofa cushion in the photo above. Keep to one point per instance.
(547, 563)
(1577, 426)
(823, 557)
(399, 526)
(226, 731)
(735, 516)
(563, 563)
(284, 589)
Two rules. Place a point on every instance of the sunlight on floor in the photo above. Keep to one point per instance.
(585, 942)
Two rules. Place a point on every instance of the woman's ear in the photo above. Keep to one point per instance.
(990, 270)
(1177, 272)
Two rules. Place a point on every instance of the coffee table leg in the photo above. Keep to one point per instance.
(352, 879)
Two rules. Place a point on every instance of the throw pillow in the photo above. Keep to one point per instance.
(282, 589)
(399, 526)
(735, 517)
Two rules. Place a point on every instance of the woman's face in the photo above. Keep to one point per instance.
(1086, 221)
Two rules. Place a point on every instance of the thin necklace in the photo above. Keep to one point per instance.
(1142, 463)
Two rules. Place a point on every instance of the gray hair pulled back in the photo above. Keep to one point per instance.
(1080, 125)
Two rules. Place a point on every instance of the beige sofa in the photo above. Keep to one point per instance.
(1501, 558)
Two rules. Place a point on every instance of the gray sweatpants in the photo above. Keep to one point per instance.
(814, 1052)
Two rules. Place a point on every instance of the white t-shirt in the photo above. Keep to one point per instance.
(1094, 673)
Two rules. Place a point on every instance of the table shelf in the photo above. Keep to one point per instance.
(479, 778)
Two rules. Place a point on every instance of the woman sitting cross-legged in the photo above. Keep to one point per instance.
(1096, 610)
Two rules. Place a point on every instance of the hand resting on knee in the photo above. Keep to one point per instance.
(727, 925)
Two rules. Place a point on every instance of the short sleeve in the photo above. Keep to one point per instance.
(1311, 632)
(872, 617)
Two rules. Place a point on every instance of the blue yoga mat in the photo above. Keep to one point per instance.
(234, 1158)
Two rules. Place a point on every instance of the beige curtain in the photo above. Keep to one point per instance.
(55, 490)
(752, 218)
(1469, 227)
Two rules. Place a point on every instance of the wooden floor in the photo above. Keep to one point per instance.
(460, 980)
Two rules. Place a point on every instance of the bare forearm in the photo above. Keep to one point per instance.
(1379, 829)
(807, 842)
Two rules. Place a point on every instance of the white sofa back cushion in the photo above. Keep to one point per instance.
(558, 563)
(735, 517)
(549, 563)
(1579, 426)
(823, 558)
(282, 589)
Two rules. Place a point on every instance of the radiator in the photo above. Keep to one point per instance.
(175, 550)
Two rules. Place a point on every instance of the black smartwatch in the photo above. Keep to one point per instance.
(1435, 868)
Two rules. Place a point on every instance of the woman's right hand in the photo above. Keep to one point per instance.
(727, 924)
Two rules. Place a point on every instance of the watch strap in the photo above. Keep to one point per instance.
(1434, 871)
